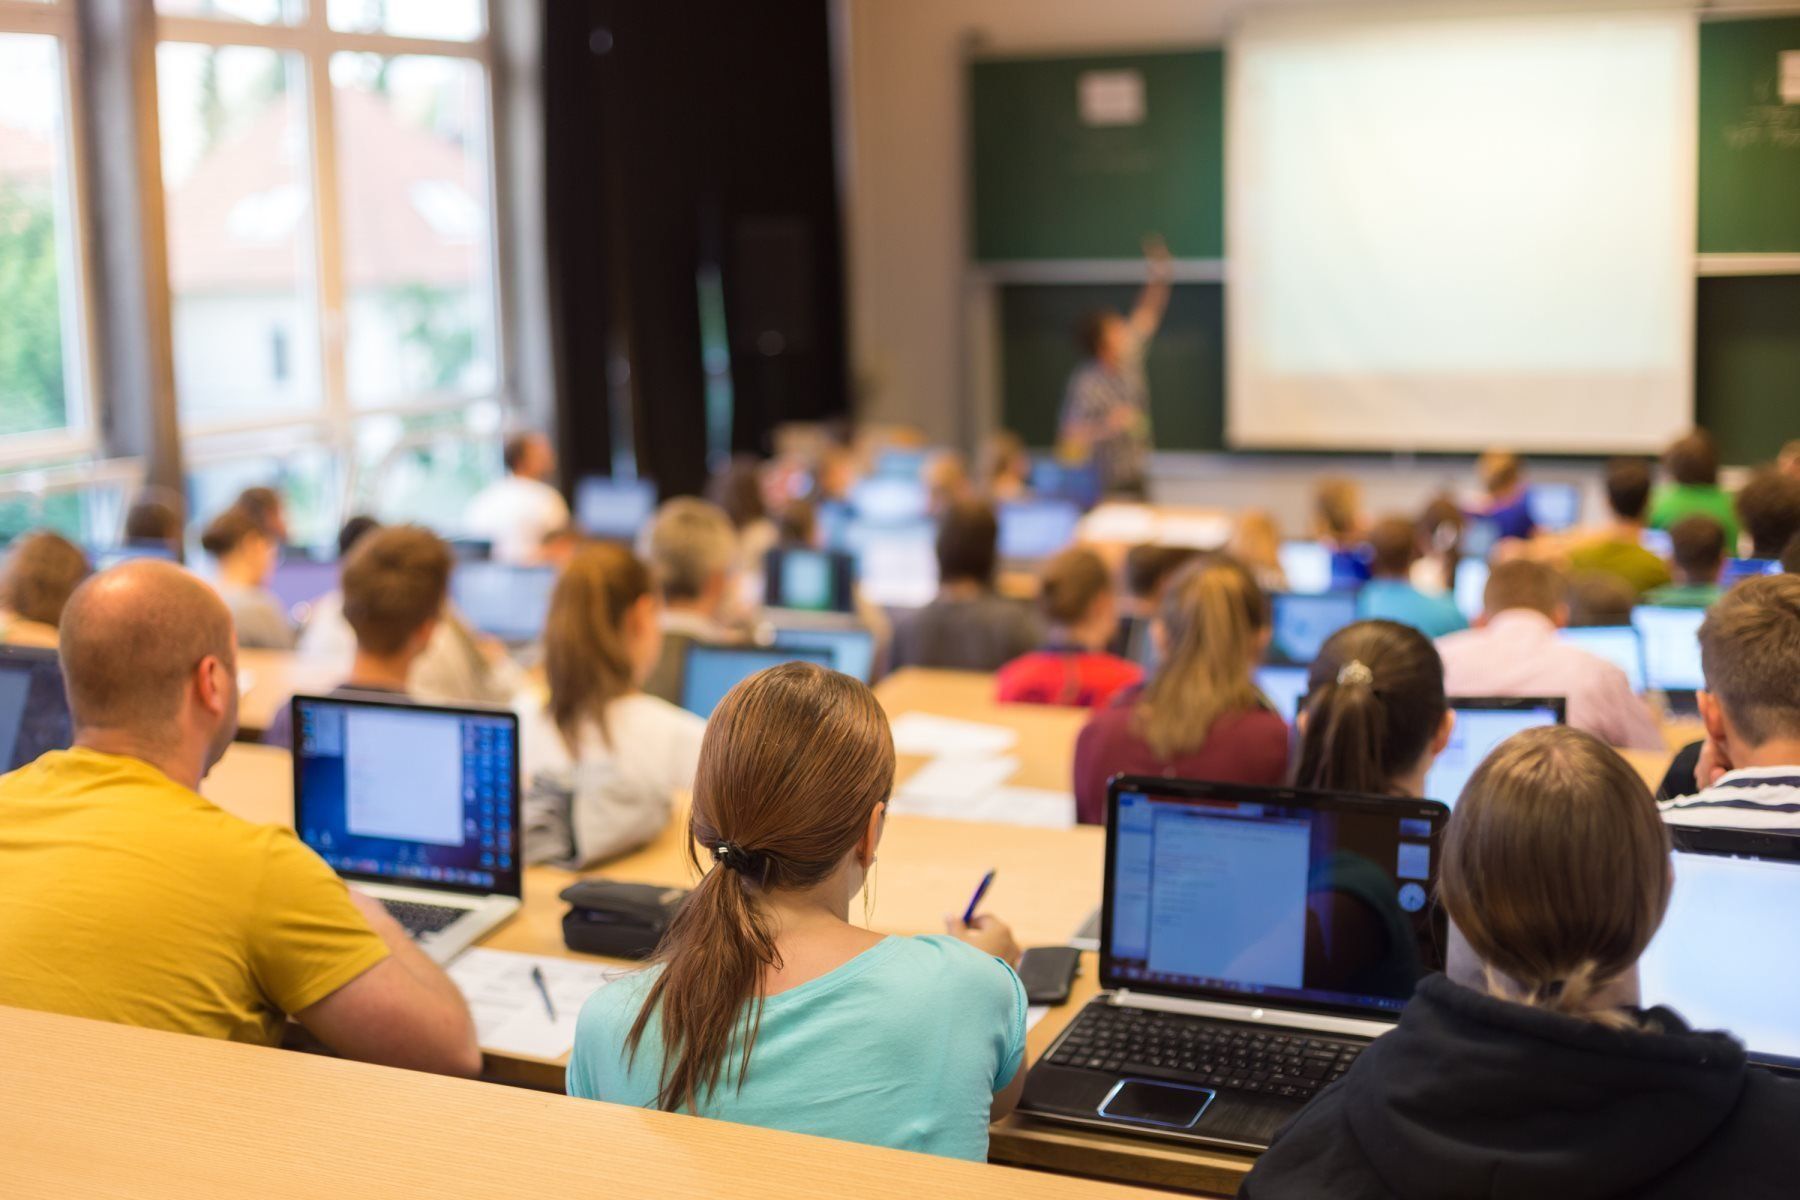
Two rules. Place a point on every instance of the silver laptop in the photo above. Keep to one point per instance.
(418, 805)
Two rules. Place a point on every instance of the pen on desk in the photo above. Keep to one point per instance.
(537, 977)
(975, 900)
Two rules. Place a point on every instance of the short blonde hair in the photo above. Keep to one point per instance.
(1498, 470)
(691, 543)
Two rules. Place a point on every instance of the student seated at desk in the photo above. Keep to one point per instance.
(1748, 769)
(1340, 525)
(1375, 716)
(395, 583)
(1390, 595)
(244, 557)
(1256, 542)
(1692, 463)
(42, 570)
(516, 513)
(693, 556)
(767, 1006)
(1698, 545)
(1200, 716)
(967, 627)
(130, 898)
(1505, 500)
(1073, 668)
(602, 759)
(1531, 1070)
(1768, 507)
(1148, 569)
(153, 522)
(1619, 548)
(1514, 651)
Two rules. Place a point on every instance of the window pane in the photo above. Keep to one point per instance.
(261, 12)
(240, 214)
(458, 20)
(413, 169)
(39, 363)
(423, 468)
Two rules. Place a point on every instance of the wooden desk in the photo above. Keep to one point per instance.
(101, 1109)
(273, 676)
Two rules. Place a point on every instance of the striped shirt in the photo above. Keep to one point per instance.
(1095, 395)
(1762, 798)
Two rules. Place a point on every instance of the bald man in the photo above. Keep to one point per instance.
(125, 896)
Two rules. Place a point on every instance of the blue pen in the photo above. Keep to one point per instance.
(981, 888)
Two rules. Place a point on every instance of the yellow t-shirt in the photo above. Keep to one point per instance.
(126, 897)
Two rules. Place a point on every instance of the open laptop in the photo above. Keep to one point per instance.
(34, 709)
(851, 647)
(1033, 530)
(1483, 722)
(896, 563)
(1470, 591)
(1672, 653)
(503, 601)
(1554, 506)
(1285, 686)
(615, 509)
(709, 672)
(1620, 645)
(1736, 570)
(1304, 622)
(1748, 983)
(1253, 941)
(1307, 566)
(298, 581)
(419, 805)
(809, 580)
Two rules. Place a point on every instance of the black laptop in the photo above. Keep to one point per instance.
(34, 710)
(1253, 941)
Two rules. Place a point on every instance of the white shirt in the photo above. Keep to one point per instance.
(516, 514)
(617, 792)
(1761, 798)
(451, 670)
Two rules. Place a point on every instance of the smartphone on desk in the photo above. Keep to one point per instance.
(1048, 972)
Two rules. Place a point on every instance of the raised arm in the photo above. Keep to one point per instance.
(1153, 301)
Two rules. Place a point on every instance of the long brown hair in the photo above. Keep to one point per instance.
(1374, 701)
(1212, 612)
(1556, 869)
(794, 761)
(586, 662)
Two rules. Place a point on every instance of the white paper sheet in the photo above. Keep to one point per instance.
(509, 1011)
(1034, 1014)
(964, 778)
(1000, 806)
(924, 733)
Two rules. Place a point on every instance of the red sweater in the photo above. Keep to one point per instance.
(1073, 678)
(1246, 747)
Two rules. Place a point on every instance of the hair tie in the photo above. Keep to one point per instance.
(1355, 671)
(733, 857)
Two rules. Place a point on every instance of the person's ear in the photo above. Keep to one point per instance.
(1159, 638)
(1301, 719)
(213, 684)
(1712, 716)
(870, 841)
(1445, 728)
(1561, 616)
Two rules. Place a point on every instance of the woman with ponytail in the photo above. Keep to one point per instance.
(1374, 717)
(602, 759)
(1530, 1070)
(766, 1005)
(1200, 716)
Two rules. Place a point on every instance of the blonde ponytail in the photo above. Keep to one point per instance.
(1213, 613)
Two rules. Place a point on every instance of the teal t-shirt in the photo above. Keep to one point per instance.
(903, 1046)
(1397, 600)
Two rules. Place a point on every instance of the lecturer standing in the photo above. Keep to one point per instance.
(1106, 407)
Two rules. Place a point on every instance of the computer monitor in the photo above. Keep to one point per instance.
(1727, 957)
(1470, 588)
(1033, 530)
(889, 499)
(1078, 483)
(1285, 686)
(809, 580)
(503, 601)
(850, 647)
(1619, 645)
(1483, 722)
(1303, 623)
(1657, 542)
(34, 709)
(1307, 566)
(409, 793)
(1739, 569)
(896, 564)
(1269, 895)
(1671, 647)
(900, 464)
(1553, 506)
(613, 508)
(711, 671)
(297, 582)
(1480, 535)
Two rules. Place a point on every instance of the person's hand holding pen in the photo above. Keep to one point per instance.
(985, 933)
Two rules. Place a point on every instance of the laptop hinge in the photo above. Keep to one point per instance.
(1284, 1018)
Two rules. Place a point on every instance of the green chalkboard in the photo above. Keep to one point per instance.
(1049, 184)
(1185, 366)
(1747, 364)
(1749, 139)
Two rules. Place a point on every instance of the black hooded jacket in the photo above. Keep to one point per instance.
(1476, 1097)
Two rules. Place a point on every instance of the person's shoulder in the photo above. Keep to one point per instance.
(608, 1014)
(652, 716)
(952, 964)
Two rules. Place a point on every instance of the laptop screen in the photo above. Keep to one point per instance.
(1739, 569)
(409, 794)
(300, 581)
(712, 671)
(852, 650)
(34, 710)
(1036, 529)
(1746, 985)
(503, 601)
(809, 580)
(1471, 586)
(896, 565)
(890, 499)
(1553, 506)
(1321, 900)
(1307, 566)
(1482, 724)
(613, 508)
(1285, 687)
(1303, 623)
(1619, 645)
(1671, 647)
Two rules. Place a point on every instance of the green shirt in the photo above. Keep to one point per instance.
(1628, 560)
(1685, 595)
(1678, 500)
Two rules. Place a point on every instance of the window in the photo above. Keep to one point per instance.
(44, 400)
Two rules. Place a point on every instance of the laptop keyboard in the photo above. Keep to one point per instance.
(421, 919)
(1196, 1050)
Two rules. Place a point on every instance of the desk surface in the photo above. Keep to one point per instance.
(101, 1109)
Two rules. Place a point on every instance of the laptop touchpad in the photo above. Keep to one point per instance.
(1166, 1104)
